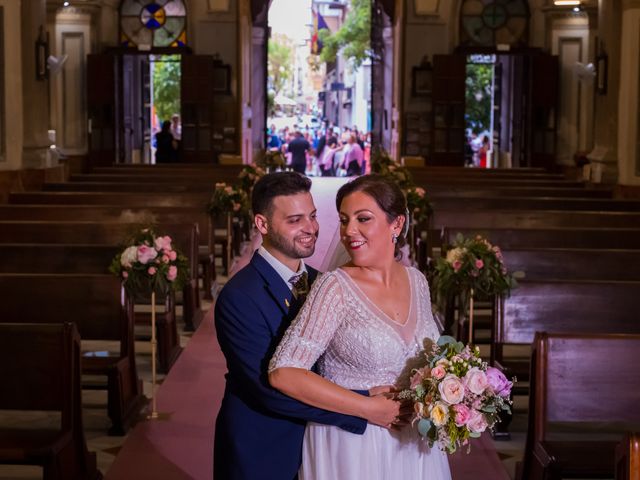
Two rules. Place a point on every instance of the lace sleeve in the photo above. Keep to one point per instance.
(309, 334)
(431, 326)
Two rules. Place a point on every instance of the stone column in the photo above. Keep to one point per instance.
(35, 92)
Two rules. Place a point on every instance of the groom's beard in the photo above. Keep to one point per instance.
(293, 247)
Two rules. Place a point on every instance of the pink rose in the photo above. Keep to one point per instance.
(456, 265)
(165, 259)
(163, 243)
(146, 254)
(476, 381)
(172, 273)
(125, 274)
(477, 422)
(236, 206)
(438, 372)
(498, 382)
(451, 390)
(479, 264)
(462, 414)
(173, 255)
(152, 271)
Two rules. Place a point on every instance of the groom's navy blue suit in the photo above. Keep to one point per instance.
(259, 431)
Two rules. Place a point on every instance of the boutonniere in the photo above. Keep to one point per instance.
(286, 302)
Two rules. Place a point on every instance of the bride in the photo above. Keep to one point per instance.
(361, 323)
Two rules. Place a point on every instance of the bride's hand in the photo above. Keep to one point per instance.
(382, 411)
(381, 389)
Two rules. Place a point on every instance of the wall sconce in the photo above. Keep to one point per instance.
(42, 53)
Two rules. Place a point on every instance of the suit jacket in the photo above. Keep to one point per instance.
(259, 430)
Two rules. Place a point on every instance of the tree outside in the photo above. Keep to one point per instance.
(478, 97)
(280, 63)
(353, 39)
(166, 86)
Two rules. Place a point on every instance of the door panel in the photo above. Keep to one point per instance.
(197, 108)
(449, 74)
(102, 72)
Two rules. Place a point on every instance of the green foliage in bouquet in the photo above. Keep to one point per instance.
(471, 263)
(228, 199)
(150, 263)
(248, 177)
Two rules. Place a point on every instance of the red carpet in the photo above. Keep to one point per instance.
(182, 446)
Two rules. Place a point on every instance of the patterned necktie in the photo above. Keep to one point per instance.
(300, 285)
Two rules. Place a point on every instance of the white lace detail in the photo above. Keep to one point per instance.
(354, 347)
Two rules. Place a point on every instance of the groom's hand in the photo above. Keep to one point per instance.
(381, 390)
(382, 410)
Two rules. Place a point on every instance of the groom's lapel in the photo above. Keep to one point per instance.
(274, 285)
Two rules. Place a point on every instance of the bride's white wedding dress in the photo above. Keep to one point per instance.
(358, 346)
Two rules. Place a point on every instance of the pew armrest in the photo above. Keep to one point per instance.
(544, 464)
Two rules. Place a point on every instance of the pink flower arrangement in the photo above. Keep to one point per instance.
(456, 396)
(150, 263)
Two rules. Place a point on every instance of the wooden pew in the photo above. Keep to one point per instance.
(185, 237)
(445, 190)
(40, 370)
(101, 311)
(628, 458)
(132, 214)
(560, 306)
(574, 264)
(478, 220)
(584, 393)
(484, 203)
(197, 201)
(559, 237)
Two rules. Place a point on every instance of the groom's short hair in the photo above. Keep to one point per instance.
(275, 185)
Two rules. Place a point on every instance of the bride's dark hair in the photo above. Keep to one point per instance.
(387, 195)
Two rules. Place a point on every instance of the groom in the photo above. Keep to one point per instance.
(259, 431)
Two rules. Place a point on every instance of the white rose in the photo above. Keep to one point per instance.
(129, 256)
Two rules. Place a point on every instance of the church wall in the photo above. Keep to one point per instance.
(629, 98)
(215, 33)
(12, 113)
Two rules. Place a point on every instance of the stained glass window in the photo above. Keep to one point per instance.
(153, 23)
(490, 22)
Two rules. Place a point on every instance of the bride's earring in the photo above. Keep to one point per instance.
(394, 238)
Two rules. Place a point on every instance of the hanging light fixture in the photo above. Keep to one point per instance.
(566, 3)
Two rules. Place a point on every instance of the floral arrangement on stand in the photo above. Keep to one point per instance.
(456, 396)
(383, 164)
(472, 268)
(418, 204)
(228, 199)
(248, 177)
(150, 264)
(272, 161)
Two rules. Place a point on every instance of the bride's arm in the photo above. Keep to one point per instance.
(312, 389)
(304, 341)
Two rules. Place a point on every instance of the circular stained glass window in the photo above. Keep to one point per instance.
(153, 23)
(490, 22)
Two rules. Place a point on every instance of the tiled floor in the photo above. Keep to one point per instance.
(96, 421)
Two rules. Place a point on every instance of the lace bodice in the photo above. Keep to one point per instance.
(355, 344)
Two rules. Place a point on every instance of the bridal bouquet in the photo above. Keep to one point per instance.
(150, 263)
(456, 396)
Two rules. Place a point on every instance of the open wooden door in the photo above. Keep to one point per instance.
(102, 74)
(544, 109)
(449, 75)
(197, 108)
